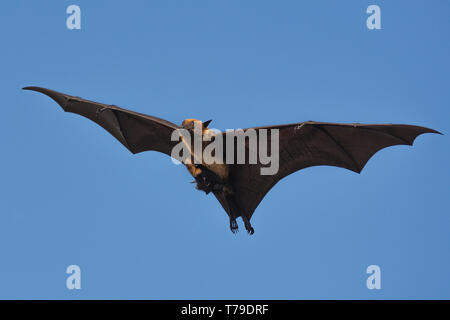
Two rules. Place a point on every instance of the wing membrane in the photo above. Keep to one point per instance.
(137, 132)
(308, 144)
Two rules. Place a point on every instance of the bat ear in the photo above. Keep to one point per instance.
(206, 123)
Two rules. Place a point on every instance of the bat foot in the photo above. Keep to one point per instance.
(248, 226)
(234, 226)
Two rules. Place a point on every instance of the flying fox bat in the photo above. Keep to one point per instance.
(241, 187)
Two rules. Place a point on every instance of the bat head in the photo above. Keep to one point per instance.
(189, 124)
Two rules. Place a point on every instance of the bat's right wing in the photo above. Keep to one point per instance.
(138, 132)
(308, 144)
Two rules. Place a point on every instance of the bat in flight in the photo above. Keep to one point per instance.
(240, 187)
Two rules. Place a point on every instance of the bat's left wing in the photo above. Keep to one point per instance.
(136, 131)
(307, 144)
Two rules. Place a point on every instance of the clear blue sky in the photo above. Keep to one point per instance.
(72, 194)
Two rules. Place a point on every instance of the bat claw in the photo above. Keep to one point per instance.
(249, 228)
(234, 226)
(100, 110)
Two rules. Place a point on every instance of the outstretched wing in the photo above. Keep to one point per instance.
(308, 144)
(138, 132)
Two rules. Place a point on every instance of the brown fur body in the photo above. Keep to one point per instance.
(219, 169)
